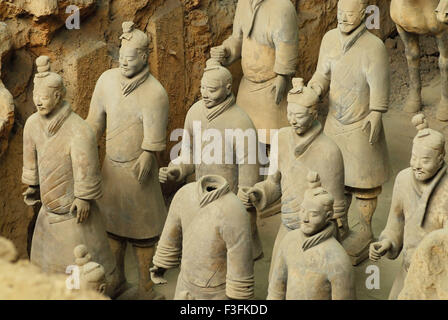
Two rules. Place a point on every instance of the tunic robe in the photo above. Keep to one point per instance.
(136, 116)
(414, 213)
(297, 155)
(208, 232)
(61, 157)
(265, 37)
(356, 71)
(312, 268)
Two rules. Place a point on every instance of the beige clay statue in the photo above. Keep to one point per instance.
(133, 105)
(302, 147)
(311, 264)
(419, 202)
(208, 233)
(237, 161)
(91, 274)
(265, 37)
(6, 99)
(60, 165)
(414, 18)
(354, 67)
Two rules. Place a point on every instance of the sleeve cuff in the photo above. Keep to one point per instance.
(148, 146)
(30, 177)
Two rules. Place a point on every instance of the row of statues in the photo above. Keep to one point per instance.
(210, 230)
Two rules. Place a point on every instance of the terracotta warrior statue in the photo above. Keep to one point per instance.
(6, 99)
(133, 106)
(354, 67)
(414, 18)
(311, 264)
(61, 168)
(265, 37)
(301, 147)
(235, 159)
(419, 202)
(208, 233)
(92, 275)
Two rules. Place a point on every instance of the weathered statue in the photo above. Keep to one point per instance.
(265, 37)
(6, 99)
(427, 277)
(133, 106)
(301, 147)
(208, 233)
(60, 165)
(91, 274)
(227, 154)
(311, 264)
(414, 18)
(354, 67)
(419, 202)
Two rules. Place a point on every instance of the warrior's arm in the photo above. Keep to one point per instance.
(169, 248)
(394, 231)
(97, 114)
(320, 82)
(30, 173)
(6, 107)
(234, 43)
(279, 278)
(270, 190)
(185, 160)
(343, 283)
(240, 264)
(286, 41)
(155, 121)
(247, 160)
(378, 78)
(85, 165)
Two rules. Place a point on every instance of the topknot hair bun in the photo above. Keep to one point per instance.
(43, 64)
(313, 180)
(419, 121)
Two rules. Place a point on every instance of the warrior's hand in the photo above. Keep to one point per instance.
(219, 53)
(374, 119)
(249, 196)
(82, 209)
(157, 274)
(142, 167)
(31, 196)
(169, 174)
(379, 249)
(279, 88)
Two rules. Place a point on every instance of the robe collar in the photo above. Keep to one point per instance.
(129, 85)
(427, 192)
(216, 111)
(318, 238)
(211, 188)
(255, 6)
(301, 143)
(348, 42)
(51, 127)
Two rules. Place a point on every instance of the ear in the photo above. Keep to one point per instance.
(102, 288)
(363, 13)
(229, 88)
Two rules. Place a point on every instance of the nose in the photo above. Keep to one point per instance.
(124, 61)
(442, 11)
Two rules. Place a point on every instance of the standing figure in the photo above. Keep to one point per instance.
(302, 147)
(133, 106)
(227, 155)
(60, 165)
(208, 233)
(354, 66)
(419, 201)
(265, 37)
(414, 18)
(311, 264)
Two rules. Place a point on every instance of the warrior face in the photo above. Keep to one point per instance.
(351, 13)
(442, 11)
(313, 216)
(425, 162)
(214, 89)
(46, 99)
(131, 61)
(301, 118)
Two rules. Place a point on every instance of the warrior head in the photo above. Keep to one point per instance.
(134, 50)
(428, 150)
(216, 84)
(302, 106)
(316, 209)
(92, 274)
(351, 13)
(49, 91)
(442, 11)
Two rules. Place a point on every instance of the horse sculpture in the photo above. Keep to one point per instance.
(419, 17)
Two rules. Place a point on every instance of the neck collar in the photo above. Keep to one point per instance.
(318, 238)
(349, 41)
(302, 142)
(211, 188)
(52, 126)
(216, 111)
(129, 85)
